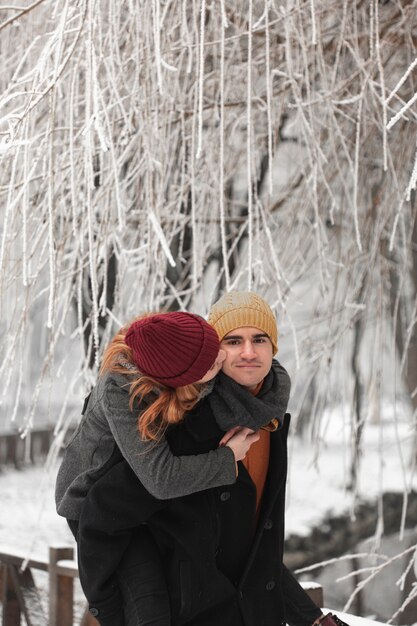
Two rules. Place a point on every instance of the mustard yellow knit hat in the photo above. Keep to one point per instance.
(243, 308)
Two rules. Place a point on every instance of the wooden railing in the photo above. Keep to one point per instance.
(20, 596)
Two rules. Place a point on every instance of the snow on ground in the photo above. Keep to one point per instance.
(319, 472)
(28, 520)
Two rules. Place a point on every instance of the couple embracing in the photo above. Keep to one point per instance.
(174, 482)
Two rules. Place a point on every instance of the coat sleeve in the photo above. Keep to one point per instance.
(162, 473)
(114, 509)
(300, 610)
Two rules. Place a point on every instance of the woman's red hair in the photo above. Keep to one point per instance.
(166, 405)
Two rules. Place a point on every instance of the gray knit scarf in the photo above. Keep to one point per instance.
(229, 399)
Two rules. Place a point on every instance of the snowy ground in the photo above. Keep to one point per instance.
(319, 473)
(317, 480)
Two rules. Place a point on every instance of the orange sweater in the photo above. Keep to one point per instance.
(257, 459)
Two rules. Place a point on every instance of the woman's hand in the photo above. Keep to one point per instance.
(239, 440)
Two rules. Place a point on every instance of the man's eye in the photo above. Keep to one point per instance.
(260, 340)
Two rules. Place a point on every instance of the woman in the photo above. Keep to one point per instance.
(153, 371)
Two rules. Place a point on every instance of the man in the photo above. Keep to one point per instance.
(268, 594)
(221, 549)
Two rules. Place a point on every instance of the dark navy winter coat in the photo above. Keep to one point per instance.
(221, 570)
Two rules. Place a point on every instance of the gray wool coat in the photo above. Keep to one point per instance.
(108, 430)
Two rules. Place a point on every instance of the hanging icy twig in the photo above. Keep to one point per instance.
(249, 144)
(89, 183)
(268, 93)
(313, 23)
(63, 423)
(382, 79)
(356, 172)
(412, 595)
(272, 248)
(19, 384)
(412, 185)
(194, 244)
(7, 216)
(371, 28)
(157, 42)
(120, 210)
(402, 580)
(201, 77)
(339, 559)
(395, 118)
(409, 335)
(221, 159)
(402, 80)
(181, 305)
(159, 233)
(25, 211)
(184, 27)
(71, 148)
(194, 132)
(375, 571)
(317, 228)
(399, 211)
(21, 13)
(51, 223)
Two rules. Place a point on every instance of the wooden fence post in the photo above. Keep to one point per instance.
(315, 591)
(61, 589)
(11, 608)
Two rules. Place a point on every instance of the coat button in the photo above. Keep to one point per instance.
(93, 611)
(270, 585)
(224, 496)
(268, 524)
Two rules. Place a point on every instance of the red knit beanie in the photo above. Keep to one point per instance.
(175, 349)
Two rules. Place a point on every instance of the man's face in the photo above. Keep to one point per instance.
(248, 355)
